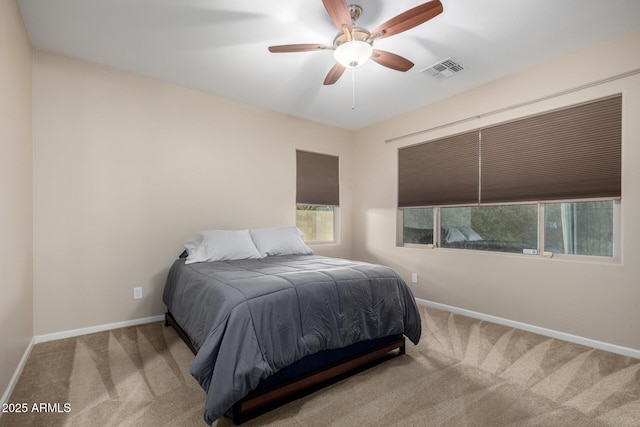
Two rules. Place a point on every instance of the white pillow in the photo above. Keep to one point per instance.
(280, 241)
(220, 245)
(470, 234)
(453, 234)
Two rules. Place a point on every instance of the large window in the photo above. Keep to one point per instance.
(585, 228)
(317, 196)
(548, 183)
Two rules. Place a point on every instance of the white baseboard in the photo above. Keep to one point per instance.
(613, 348)
(68, 334)
(93, 329)
(14, 379)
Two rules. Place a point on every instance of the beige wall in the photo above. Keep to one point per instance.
(126, 168)
(16, 229)
(593, 300)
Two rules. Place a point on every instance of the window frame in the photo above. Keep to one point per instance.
(336, 227)
(616, 257)
(439, 243)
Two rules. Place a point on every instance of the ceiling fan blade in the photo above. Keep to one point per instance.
(296, 48)
(334, 74)
(409, 19)
(339, 13)
(391, 60)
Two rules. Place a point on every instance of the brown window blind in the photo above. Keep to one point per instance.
(317, 179)
(565, 154)
(572, 153)
(440, 172)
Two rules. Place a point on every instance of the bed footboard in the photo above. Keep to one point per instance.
(307, 375)
(260, 401)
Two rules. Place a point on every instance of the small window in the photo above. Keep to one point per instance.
(579, 228)
(318, 223)
(317, 196)
(503, 228)
(417, 226)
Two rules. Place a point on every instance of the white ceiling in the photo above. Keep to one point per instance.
(220, 46)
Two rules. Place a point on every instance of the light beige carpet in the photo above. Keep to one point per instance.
(464, 372)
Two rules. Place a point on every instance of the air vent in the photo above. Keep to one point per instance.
(444, 69)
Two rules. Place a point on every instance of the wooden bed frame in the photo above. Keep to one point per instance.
(296, 381)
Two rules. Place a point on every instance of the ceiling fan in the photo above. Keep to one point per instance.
(353, 45)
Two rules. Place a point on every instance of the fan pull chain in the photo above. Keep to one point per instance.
(353, 89)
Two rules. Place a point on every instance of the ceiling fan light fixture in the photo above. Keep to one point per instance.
(353, 45)
(353, 54)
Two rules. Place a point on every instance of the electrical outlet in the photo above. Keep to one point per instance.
(414, 277)
(137, 292)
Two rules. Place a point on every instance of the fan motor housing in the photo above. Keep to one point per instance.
(358, 33)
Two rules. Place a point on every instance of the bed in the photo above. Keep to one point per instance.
(264, 329)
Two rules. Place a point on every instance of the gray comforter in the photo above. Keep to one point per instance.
(250, 318)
